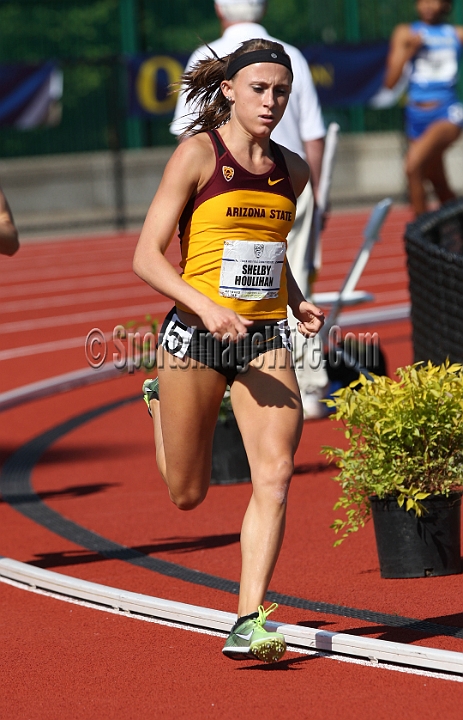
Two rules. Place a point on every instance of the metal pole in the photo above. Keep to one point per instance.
(458, 11)
(130, 45)
(115, 144)
(352, 25)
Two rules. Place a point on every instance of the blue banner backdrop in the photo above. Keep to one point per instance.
(26, 93)
(347, 74)
(344, 75)
(150, 81)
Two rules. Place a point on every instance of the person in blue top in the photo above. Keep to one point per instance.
(428, 50)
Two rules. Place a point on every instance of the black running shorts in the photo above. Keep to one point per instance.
(227, 358)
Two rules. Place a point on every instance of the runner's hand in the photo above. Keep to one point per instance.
(225, 324)
(413, 44)
(311, 319)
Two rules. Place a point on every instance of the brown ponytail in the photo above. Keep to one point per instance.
(202, 86)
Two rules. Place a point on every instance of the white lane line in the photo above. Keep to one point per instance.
(388, 313)
(396, 262)
(54, 385)
(217, 623)
(115, 611)
(347, 319)
(371, 281)
(60, 259)
(46, 287)
(334, 255)
(93, 316)
(94, 266)
(83, 298)
(71, 269)
(90, 258)
(393, 296)
(37, 292)
(53, 346)
(43, 247)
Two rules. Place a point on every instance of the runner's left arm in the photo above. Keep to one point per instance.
(404, 45)
(311, 318)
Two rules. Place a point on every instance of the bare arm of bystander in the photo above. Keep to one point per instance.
(9, 242)
(314, 152)
(404, 45)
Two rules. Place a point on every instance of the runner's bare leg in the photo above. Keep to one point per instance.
(184, 422)
(268, 410)
(432, 144)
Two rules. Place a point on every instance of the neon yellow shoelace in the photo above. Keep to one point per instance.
(263, 614)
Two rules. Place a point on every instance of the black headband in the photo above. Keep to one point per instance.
(257, 56)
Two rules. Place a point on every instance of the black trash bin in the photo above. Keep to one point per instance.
(434, 245)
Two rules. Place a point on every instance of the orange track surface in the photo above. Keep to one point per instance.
(65, 661)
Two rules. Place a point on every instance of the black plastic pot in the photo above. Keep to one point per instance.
(229, 460)
(410, 546)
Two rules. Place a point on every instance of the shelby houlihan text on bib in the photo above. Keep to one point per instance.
(251, 270)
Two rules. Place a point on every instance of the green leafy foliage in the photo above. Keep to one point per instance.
(405, 440)
(143, 344)
(226, 409)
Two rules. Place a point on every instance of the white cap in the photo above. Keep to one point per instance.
(241, 10)
(240, 2)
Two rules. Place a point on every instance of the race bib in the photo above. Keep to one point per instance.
(455, 113)
(439, 65)
(177, 337)
(285, 334)
(251, 270)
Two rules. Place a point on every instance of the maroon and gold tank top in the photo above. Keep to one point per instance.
(233, 236)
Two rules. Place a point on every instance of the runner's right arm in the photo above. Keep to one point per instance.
(404, 46)
(189, 168)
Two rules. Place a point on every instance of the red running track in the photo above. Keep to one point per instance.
(62, 660)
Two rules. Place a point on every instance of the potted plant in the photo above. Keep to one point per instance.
(404, 466)
(229, 460)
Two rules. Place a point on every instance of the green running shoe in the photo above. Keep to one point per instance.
(248, 638)
(150, 392)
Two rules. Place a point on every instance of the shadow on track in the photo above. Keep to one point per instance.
(447, 625)
(282, 665)
(312, 468)
(177, 545)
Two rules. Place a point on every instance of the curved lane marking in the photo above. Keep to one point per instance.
(17, 491)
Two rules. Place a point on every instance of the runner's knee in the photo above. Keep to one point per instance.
(271, 482)
(413, 168)
(188, 499)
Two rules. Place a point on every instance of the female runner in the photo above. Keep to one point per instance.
(433, 115)
(232, 192)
